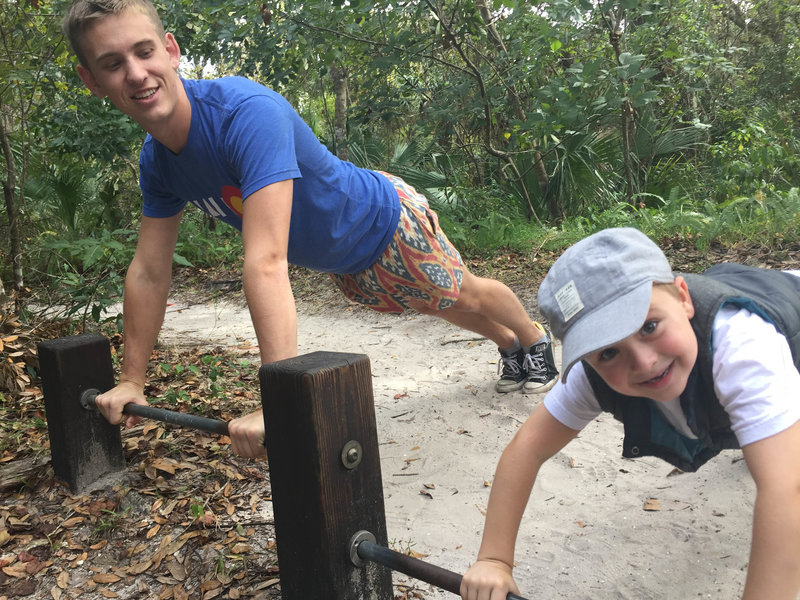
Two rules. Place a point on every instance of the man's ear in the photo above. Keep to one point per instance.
(173, 50)
(89, 81)
(683, 294)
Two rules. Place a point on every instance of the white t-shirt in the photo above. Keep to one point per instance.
(754, 377)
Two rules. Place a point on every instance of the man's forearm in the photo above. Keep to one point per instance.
(144, 306)
(272, 309)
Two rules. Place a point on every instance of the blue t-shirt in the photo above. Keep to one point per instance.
(243, 137)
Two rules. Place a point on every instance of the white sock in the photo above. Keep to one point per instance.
(514, 347)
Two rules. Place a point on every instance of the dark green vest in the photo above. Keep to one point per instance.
(773, 295)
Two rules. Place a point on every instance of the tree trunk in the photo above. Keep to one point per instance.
(9, 186)
(339, 77)
(627, 124)
(516, 104)
(627, 137)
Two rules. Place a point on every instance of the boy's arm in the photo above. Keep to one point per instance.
(774, 569)
(540, 437)
(146, 289)
(265, 237)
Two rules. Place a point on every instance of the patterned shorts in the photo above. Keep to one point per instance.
(420, 263)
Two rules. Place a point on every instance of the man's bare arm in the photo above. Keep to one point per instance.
(146, 289)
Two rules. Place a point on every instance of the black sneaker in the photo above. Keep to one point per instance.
(540, 366)
(511, 368)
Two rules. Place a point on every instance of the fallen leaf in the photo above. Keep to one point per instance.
(163, 464)
(139, 568)
(178, 593)
(63, 580)
(34, 566)
(210, 584)
(79, 560)
(16, 570)
(652, 504)
(105, 578)
(25, 556)
(176, 569)
(72, 522)
(22, 588)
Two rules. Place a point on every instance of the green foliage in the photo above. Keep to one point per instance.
(197, 508)
(88, 271)
(202, 246)
(755, 155)
(61, 193)
(109, 520)
(412, 161)
(175, 396)
(756, 219)
(218, 374)
(458, 99)
(583, 171)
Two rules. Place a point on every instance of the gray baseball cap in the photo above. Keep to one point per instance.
(598, 291)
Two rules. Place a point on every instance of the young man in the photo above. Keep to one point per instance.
(238, 151)
(691, 365)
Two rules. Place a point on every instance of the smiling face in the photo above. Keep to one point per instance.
(128, 61)
(654, 362)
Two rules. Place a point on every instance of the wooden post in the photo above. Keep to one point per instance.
(83, 445)
(325, 473)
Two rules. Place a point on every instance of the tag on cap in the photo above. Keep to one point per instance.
(569, 301)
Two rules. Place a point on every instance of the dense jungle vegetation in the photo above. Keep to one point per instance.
(527, 124)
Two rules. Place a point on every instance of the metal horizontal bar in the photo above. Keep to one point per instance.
(88, 400)
(414, 567)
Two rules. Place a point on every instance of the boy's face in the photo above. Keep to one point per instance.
(654, 362)
(129, 62)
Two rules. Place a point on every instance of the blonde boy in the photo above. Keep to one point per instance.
(691, 364)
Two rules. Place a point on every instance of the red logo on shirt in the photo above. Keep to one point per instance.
(232, 197)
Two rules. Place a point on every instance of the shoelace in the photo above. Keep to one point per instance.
(535, 364)
(508, 365)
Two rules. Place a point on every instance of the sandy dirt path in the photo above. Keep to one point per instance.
(586, 533)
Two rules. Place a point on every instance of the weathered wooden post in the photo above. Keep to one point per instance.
(83, 445)
(325, 472)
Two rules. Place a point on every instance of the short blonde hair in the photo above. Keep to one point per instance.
(83, 13)
(670, 288)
